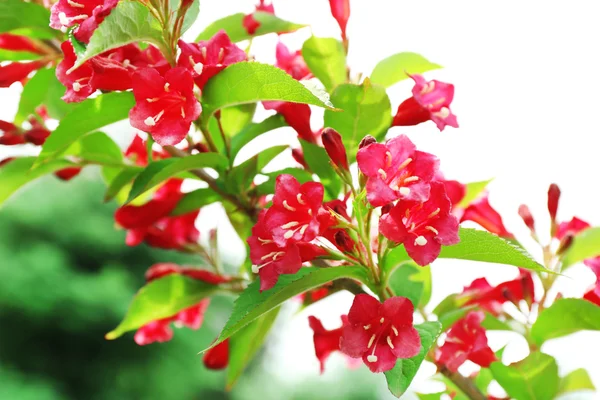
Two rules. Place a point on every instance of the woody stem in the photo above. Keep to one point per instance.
(465, 384)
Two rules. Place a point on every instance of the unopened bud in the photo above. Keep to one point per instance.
(6, 161)
(526, 216)
(218, 356)
(386, 209)
(66, 174)
(340, 10)
(299, 157)
(553, 197)
(332, 141)
(37, 136)
(565, 243)
(344, 242)
(201, 147)
(367, 140)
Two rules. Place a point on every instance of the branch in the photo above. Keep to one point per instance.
(466, 385)
(251, 211)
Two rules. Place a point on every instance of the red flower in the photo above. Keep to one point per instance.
(477, 293)
(396, 170)
(165, 106)
(455, 190)
(340, 9)
(593, 294)
(491, 298)
(78, 82)
(271, 260)
(380, 333)
(37, 135)
(291, 62)
(250, 23)
(192, 317)
(11, 134)
(481, 212)
(572, 228)
(17, 72)
(87, 13)
(293, 217)
(138, 152)
(217, 357)
(332, 141)
(326, 342)
(205, 59)
(431, 101)
(422, 227)
(18, 43)
(66, 174)
(466, 340)
(155, 331)
(337, 236)
(163, 269)
(296, 115)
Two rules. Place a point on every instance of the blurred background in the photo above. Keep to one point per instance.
(526, 83)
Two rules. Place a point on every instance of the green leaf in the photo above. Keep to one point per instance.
(394, 69)
(56, 106)
(474, 189)
(88, 116)
(244, 345)
(252, 303)
(366, 110)
(29, 19)
(478, 245)
(129, 22)
(232, 24)
(7, 55)
(326, 59)
(162, 298)
(318, 161)
(400, 377)
(161, 170)
(564, 317)
(121, 183)
(96, 148)
(195, 200)
(576, 381)
(413, 282)
(534, 378)
(254, 130)
(250, 82)
(585, 245)
(233, 120)
(492, 323)
(34, 93)
(18, 172)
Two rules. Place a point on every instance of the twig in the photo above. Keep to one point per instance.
(466, 385)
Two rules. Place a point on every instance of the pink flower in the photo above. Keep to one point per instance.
(396, 170)
(326, 342)
(88, 14)
(594, 265)
(291, 62)
(572, 228)
(205, 59)
(481, 212)
(340, 9)
(217, 357)
(431, 101)
(380, 333)
(165, 106)
(422, 227)
(477, 293)
(490, 298)
(250, 23)
(466, 340)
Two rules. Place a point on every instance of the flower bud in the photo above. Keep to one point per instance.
(218, 356)
(66, 174)
(299, 157)
(565, 243)
(344, 242)
(6, 161)
(553, 197)
(386, 209)
(367, 140)
(526, 216)
(332, 141)
(340, 9)
(37, 136)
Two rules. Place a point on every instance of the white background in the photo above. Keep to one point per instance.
(527, 85)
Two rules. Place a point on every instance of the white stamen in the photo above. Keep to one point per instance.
(381, 320)
(395, 330)
(382, 173)
(198, 68)
(126, 63)
(371, 358)
(433, 214)
(76, 86)
(203, 51)
(288, 234)
(255, 269)
(367, 327)
(290, 225)
(64, 29)
(371, 341)
(411, 179)
(432, 229)
(389, 342)
(149, 121)
(299, 198)
(182, 113)
(429, 86)
(404, 191)
(303, 229)
(405, 163)
(443, 113)
(62, 17)
(167, 87)
(287, 206)
(412, 226)
(221, 55)
(74, 4)
(388, 158)
(420, 241)
(152, 100)
(159, 115)
(264, 241)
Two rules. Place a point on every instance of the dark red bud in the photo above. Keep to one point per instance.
(340, 9)
(217, 357)
(367, 140)
(344, 242)
(386, 209)
(37, 136)
(332, 141)
(159, 270)
(553, 197)
(6, 161)
(526, 216)
(565, 243)
(202, 148)
(66, 174)
(299, 157)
